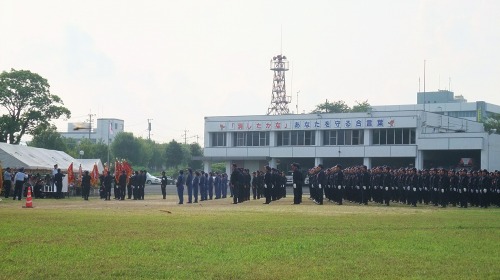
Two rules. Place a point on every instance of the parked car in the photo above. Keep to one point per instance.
(152, 180)
(171, 181)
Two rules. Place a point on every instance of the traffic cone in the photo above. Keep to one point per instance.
(29, 201)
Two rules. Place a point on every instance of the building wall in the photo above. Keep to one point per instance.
(434, 133)
(104, 130)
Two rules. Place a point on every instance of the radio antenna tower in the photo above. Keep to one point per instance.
(279, 101)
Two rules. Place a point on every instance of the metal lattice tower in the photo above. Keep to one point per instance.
(279, 101)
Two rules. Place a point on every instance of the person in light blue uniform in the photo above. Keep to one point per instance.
(206, 185)
(224, 185)
(211, 185)
(180, 186)
(217, 184)
(202, 186)
(189, 184)
(196, 184)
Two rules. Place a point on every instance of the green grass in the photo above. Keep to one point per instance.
(158, 239)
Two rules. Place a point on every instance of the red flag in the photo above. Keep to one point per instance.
(118, 170)
(81, 173)
(71, 175)
(94, 176)
(128, 169)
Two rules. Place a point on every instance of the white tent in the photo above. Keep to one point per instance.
(16, 156)
(31, 158)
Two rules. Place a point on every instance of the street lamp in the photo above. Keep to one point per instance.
(81, 154)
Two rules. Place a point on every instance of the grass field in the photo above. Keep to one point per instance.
(157, 239)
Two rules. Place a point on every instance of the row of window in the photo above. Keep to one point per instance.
(343, 137)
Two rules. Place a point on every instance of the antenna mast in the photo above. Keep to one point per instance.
(279, 101)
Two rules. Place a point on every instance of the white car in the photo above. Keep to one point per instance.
(152, 180)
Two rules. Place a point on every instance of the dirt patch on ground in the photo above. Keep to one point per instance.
(155, 203)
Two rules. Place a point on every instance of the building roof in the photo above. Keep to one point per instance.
(31, 158)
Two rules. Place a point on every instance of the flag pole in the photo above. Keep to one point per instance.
(109, 127)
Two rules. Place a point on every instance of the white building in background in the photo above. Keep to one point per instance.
(104, 130)
(423, 135)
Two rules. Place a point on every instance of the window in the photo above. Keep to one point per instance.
(343, 137)
(394, 136)
(296, 138)
(218, 139)
(254, 138)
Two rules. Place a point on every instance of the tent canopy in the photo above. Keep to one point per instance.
(31, 158)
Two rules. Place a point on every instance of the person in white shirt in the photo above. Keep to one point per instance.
(7, 182)
(54, 172)
(19, 179)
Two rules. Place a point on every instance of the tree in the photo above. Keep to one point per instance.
(126, 146)
(48, 139)
(158, 158)
(335, 107)
(30, 105)
(492, 123)
(195, 151)
(218, 167)
(174, 154)
(361, 107)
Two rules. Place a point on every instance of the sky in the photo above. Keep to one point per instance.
(176, 62)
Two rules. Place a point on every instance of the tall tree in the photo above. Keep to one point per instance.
(29, 104)
(48, 139)
(332, 107)
(174, 154)
(195, 151)
(361, 107)
(126, 146)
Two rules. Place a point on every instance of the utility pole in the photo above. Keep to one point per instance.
(90, 123)
(149, 129)
(185, 136)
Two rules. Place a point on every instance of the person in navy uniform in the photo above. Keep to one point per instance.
(217, 185)
(235, 182)
(196, 185)
(58, 181)
(122, 183)
(142, 184)
(268, 182)
(189, 185)
(210, 188)
(86, 185)
(224, 185)
(203, 183)
(134, 182)
(298, 180)
(108, 181)
(180, 186)
(164, 183)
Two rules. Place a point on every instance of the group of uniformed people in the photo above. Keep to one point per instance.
(123, 186)
(199, 184)
(383, 185)
(357, 184)
(270, 184)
